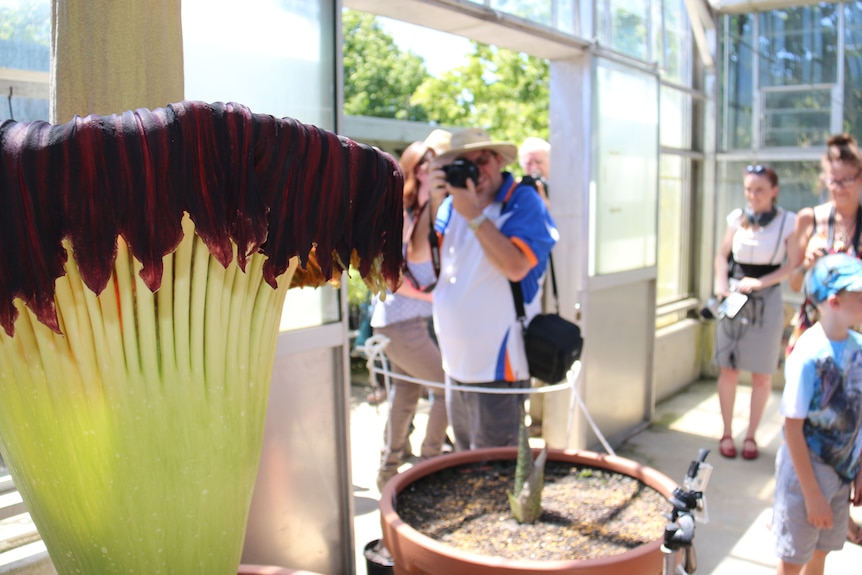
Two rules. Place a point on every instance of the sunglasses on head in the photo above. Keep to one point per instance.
(761, 170)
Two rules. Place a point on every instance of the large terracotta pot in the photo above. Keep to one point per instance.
(417, 554)
(267, 570)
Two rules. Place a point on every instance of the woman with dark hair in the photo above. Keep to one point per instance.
(751, 261)
(831, 227)
(405, 318)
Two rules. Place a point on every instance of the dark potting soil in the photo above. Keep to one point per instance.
(586, 512)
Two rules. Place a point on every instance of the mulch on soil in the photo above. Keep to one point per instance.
(586, 512)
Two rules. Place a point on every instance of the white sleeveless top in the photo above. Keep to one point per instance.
(400, 308)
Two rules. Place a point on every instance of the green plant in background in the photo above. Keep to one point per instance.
(357, 291)
(526, 500)
(358, 306)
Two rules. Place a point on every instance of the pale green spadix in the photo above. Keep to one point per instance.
(134, 437)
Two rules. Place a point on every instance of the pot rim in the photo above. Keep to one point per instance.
(251, 569)
(389, 516)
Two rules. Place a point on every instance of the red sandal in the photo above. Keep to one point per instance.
(749, 449)
(728, 452)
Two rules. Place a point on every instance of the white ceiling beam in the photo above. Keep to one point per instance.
(701, 22)
(464, 18)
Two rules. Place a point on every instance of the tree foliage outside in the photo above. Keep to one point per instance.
(379, 78)
(28, 21)
(505, 92)
(25, 44)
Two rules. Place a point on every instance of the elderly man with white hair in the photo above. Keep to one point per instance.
(534, 155)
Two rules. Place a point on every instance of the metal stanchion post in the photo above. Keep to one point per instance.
(689, 505)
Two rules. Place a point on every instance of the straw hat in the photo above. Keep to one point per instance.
(439, 141)
(477, 139)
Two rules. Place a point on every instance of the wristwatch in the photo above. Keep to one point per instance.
(477, 221)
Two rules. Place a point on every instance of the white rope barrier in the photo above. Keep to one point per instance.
(378, 364)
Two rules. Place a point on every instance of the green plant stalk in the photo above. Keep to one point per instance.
(525, 501)
(135, 437)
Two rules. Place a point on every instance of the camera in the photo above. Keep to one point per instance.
(710, 310)
(729, 307)
(532, 179)
(459, 171)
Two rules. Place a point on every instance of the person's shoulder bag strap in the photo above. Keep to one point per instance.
(434, 241)
(778, 242)
(518, 292)
(435, 258)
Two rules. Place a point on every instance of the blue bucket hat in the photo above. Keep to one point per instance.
(831, 274)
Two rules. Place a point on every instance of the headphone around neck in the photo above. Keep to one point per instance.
(759, 219)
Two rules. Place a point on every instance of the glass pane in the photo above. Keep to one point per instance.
(673, 244)
(797, 117)
(25, 44)
(566, 17)
(538, 12)
(25, 109)
(245, 56)
(853, 69)
(623, 195)
(309, 307)
(674, 44)
(558, 14)
(799, 46)
(738, 89)
(623, 25)
(675, 118)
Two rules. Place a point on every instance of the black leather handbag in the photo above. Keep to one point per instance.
(553, 343)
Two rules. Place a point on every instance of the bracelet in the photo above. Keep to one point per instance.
(477, 221)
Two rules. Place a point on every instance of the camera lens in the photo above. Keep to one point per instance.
(459, 171)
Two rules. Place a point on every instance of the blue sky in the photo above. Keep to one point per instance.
(440, 50)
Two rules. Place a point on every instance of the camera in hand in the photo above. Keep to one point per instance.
(729, 307)
(459, 171)
(710, 310)
(532, 179)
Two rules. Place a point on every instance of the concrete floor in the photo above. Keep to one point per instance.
(736, 541)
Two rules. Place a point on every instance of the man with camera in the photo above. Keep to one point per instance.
(492, 230)
(534, 155)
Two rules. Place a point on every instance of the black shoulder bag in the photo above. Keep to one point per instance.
(553, 343)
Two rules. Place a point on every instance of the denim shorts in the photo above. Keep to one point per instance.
(795, 538)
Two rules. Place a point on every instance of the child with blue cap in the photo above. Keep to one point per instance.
(817, 466)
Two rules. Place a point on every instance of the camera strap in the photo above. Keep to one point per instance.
(434, 242)
(517, 291)
(857, 230)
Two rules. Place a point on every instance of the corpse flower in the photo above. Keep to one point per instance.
(144, 259)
